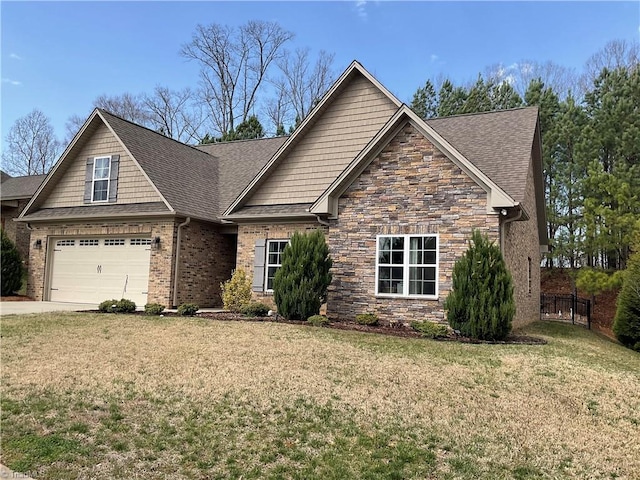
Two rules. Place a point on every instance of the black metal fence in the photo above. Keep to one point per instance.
(568, 308)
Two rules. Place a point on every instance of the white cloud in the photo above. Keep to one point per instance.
(434, 57)
(361, 9)
(11, 82)
(15, 56)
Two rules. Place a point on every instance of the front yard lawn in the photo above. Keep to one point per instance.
(117, 396)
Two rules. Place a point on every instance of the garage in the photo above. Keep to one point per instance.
(91, 270)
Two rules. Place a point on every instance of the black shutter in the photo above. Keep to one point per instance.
(88, 180)
(258, 265)
(113, 178)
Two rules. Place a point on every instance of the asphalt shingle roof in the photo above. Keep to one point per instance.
(498, 143)
(14, 188)
(101, 210)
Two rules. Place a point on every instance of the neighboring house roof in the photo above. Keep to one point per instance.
(499, 143)
(239, 162)
(19, 188)
(3, 176)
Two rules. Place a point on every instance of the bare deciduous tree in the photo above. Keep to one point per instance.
(174, 114)
(128, 106)
(615, 54)
(519, 75)
(234, 63)
(32, 146)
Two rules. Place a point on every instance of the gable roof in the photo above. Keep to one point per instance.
(19, 188)
(307, 124)
(499, 143)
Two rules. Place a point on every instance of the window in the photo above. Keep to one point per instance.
(100, 182)
(65, 243)
(113, 242)
(407, 265)
(140, 241)
(92, 242)
(274, 260)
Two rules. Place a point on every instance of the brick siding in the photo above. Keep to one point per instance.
(17, 232)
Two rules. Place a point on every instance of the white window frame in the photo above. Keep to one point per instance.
(406, 266)
(94, 179)
(267, 264)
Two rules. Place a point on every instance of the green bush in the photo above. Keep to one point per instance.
(300, 284)
(318, 320)
(255, 309)
(367, 319)
(430, 329)
(626, 324)
(153, 309)
(188, 309)
(236, 292)
(117, 306)
(481, 303)
(12, 268)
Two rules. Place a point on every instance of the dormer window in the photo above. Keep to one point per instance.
(100, 185)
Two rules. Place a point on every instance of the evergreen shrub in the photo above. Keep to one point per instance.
(188, 309)
(318, 320)
(300, 284)
(626, 324)
(153, 309)
(255, 309)
(481, 304)
(430, 329)
(236, 292)
(367, 319)
(12, 268)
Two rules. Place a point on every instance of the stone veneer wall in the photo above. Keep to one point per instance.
(17, 231)
(162, 260)
(249, 233)
(521, 242)
(207, 258)
(410, 187)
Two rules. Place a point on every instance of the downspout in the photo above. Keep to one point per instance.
(176, 270)
(502, 224)
(322, 222)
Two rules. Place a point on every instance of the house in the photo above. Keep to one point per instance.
(129, 213)
(15, 193)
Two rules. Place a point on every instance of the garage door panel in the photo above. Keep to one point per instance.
(93, 270)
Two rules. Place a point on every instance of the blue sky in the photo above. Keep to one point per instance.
(59, 56)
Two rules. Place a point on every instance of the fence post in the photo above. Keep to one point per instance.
(589, 314)
(574, 303)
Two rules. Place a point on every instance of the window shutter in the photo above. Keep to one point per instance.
(258, 265)
(88, 178)
(113, 178)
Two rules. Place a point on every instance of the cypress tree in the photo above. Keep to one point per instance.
(300, 284)
(626, 324)
(12, 268)
(481, 303)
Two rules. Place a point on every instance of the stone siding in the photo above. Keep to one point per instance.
(247, 236)
(521, 243)
(409, 188)
(207, 258)
(162, 259)
(17, 231)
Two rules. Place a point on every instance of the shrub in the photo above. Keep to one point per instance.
(12, 268)
(430, 329)
(626, 324)
(117, 306)
(188, 309)
(367, 319)
(255, 309)
(318, 320)
(236, 292)
(300, 284)
(481, 303)
(153, 309)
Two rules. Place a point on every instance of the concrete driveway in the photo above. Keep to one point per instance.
(9, 308)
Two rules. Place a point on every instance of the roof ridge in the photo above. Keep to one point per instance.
(473, 114)
(239, 141)
(102, 110)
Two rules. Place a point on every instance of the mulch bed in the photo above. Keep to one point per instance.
(16, 298)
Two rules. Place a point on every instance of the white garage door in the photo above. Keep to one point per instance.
(90, 270)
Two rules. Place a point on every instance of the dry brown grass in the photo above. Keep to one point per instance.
(213, 399)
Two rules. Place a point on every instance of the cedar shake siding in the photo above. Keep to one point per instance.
(409, 188)
(521, 244)
(133, 187)
(337, 136)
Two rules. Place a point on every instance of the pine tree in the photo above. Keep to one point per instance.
(12, 268)
(425, 101)
(481, 303)
(451, 100)
(626, 324)
(300, 284)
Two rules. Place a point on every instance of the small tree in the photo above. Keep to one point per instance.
(300, 284)
(236, 292)
(12, 268)
(626, 324)
(481, 303)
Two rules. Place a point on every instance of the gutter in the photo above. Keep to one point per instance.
(176, 270)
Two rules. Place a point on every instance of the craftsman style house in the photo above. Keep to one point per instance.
(127, 212)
